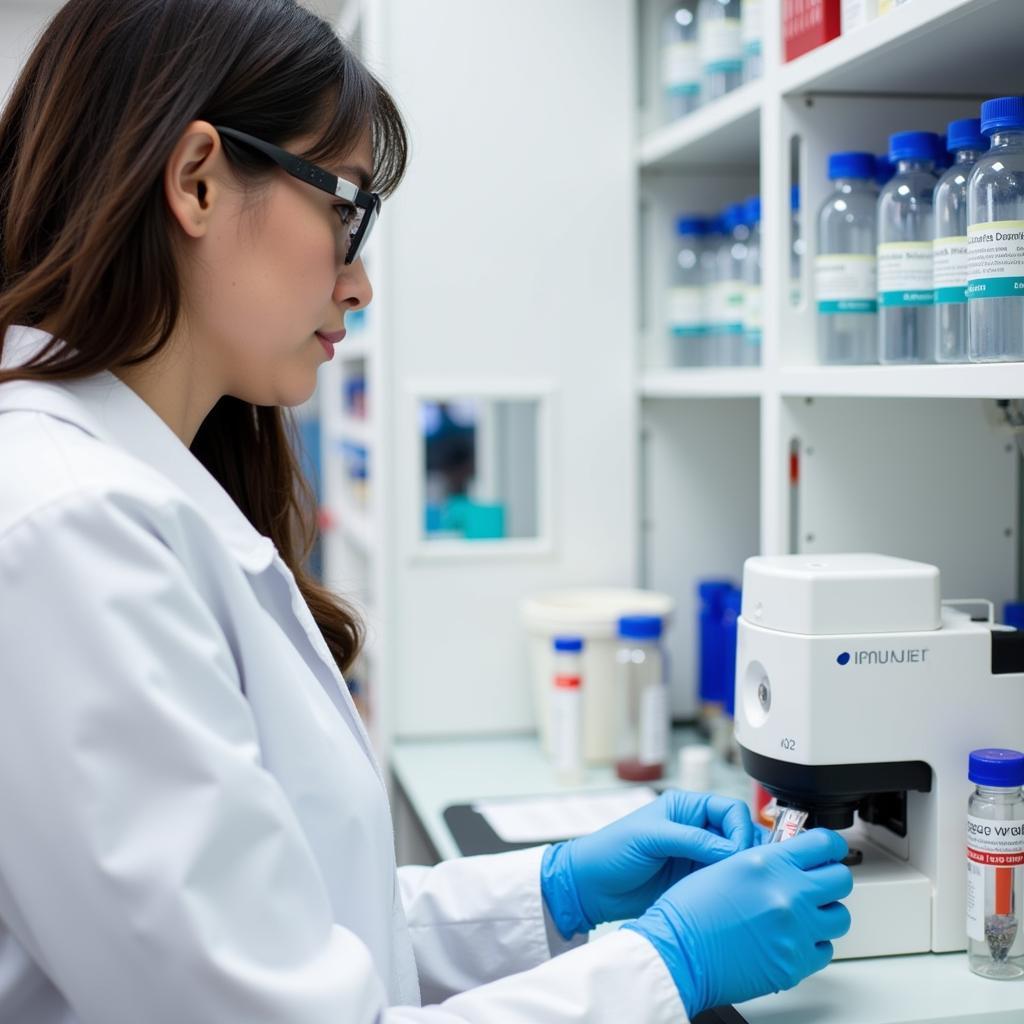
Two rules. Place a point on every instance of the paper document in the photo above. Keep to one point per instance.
(541, 818)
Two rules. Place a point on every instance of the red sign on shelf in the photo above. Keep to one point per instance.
(807, 24)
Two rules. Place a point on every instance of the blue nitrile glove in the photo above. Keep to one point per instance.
(619, 871)
(756, 923)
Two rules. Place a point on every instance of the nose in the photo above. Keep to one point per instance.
(352, 289)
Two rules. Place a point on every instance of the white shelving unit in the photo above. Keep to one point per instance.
(531, 242)
(910, 460)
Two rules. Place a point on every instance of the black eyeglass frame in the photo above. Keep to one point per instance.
(369, 202)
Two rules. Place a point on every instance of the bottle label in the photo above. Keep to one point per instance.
(686, 312)
(751, 27)
(995, 854)
(995, 259)
(846, 283)
(653, 725)
(725, 312)
(566, 742)
(681, 69)
(721, 45)
(905, 274)
(950, 268)
(752, 318)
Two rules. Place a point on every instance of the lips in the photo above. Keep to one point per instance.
(331, 337)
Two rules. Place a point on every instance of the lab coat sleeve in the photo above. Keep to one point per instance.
(148, 862)
(476, 919)
(617, 977)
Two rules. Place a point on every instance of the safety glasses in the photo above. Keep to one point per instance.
(361, 215)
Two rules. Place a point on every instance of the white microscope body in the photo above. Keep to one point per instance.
(859, 698)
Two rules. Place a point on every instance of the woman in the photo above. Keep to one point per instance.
(194, 824)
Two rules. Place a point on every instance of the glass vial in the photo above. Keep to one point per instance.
(906, 298)
(796, 249)
(949, 253)
(750, 28)
(995, 236)
(726, 295)
(567, 710)
(642, 689)
(844, 269)
(687, 324)
(680, 59)
(995, 864)
(721, 46)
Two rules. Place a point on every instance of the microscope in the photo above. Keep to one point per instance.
(859, 697)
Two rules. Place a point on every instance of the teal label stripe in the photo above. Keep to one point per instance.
(848, 306)
(753, 49)
(995, 287)
(689, 332)
(683, 89)
(907, 298)
(724, 66)
(947, 295)
(730, 328)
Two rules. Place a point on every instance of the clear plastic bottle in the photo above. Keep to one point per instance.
(680, 59)
(752, 316)
(726, 307)
(643, 700)
(884, 170)
(906, 306)
(687, 322)
(949, 254)
(714, 337)
(751, 30)
(721, 46)
(995, 236)
(844, 269)
(796, 249)
(567, 710)
(995, 855)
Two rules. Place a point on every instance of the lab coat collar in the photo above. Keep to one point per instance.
(105, 407)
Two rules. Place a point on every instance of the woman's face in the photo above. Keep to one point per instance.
(262, 271)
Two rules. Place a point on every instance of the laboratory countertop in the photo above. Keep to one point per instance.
(918, 989)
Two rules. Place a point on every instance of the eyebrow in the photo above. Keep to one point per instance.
(360, 175)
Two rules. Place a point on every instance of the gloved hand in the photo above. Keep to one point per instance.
(756, 923)
(620, 870)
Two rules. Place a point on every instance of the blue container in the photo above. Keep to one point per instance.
(710, 675)
(730, 614)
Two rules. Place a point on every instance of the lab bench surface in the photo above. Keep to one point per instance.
(920, 989)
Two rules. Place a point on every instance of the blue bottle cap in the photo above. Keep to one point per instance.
(914, 146)
(965, 134)
(569, 644)
(884, 170)
(1013, 614)
(752, 210)
(712, 591)
(1002, 113)
(794, 199)
(640, 627)
(851, 165)
(691, 224)
(996, 767)
(734, 216)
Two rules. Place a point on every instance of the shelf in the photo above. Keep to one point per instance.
(712, 382)
(358, 431)
(725, 132)
(356, 527)
(928, 47)
(990, 380)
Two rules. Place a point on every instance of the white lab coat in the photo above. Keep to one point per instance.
(193, 826)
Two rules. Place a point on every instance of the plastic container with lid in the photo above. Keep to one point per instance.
(726, 294)
(680, 59)
(796, 249)
(845, 283)
(643, 705)
(687, 320)
(906, 322)
(949, 252)
(567, 709)
(995, 236)
(995, 864)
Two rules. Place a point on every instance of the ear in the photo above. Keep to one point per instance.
(193, 176)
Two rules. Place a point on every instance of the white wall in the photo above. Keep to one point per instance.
(21, 21)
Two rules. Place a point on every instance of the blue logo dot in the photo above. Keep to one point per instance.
(843, 658)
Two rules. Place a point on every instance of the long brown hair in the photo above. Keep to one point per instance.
(85, 232)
